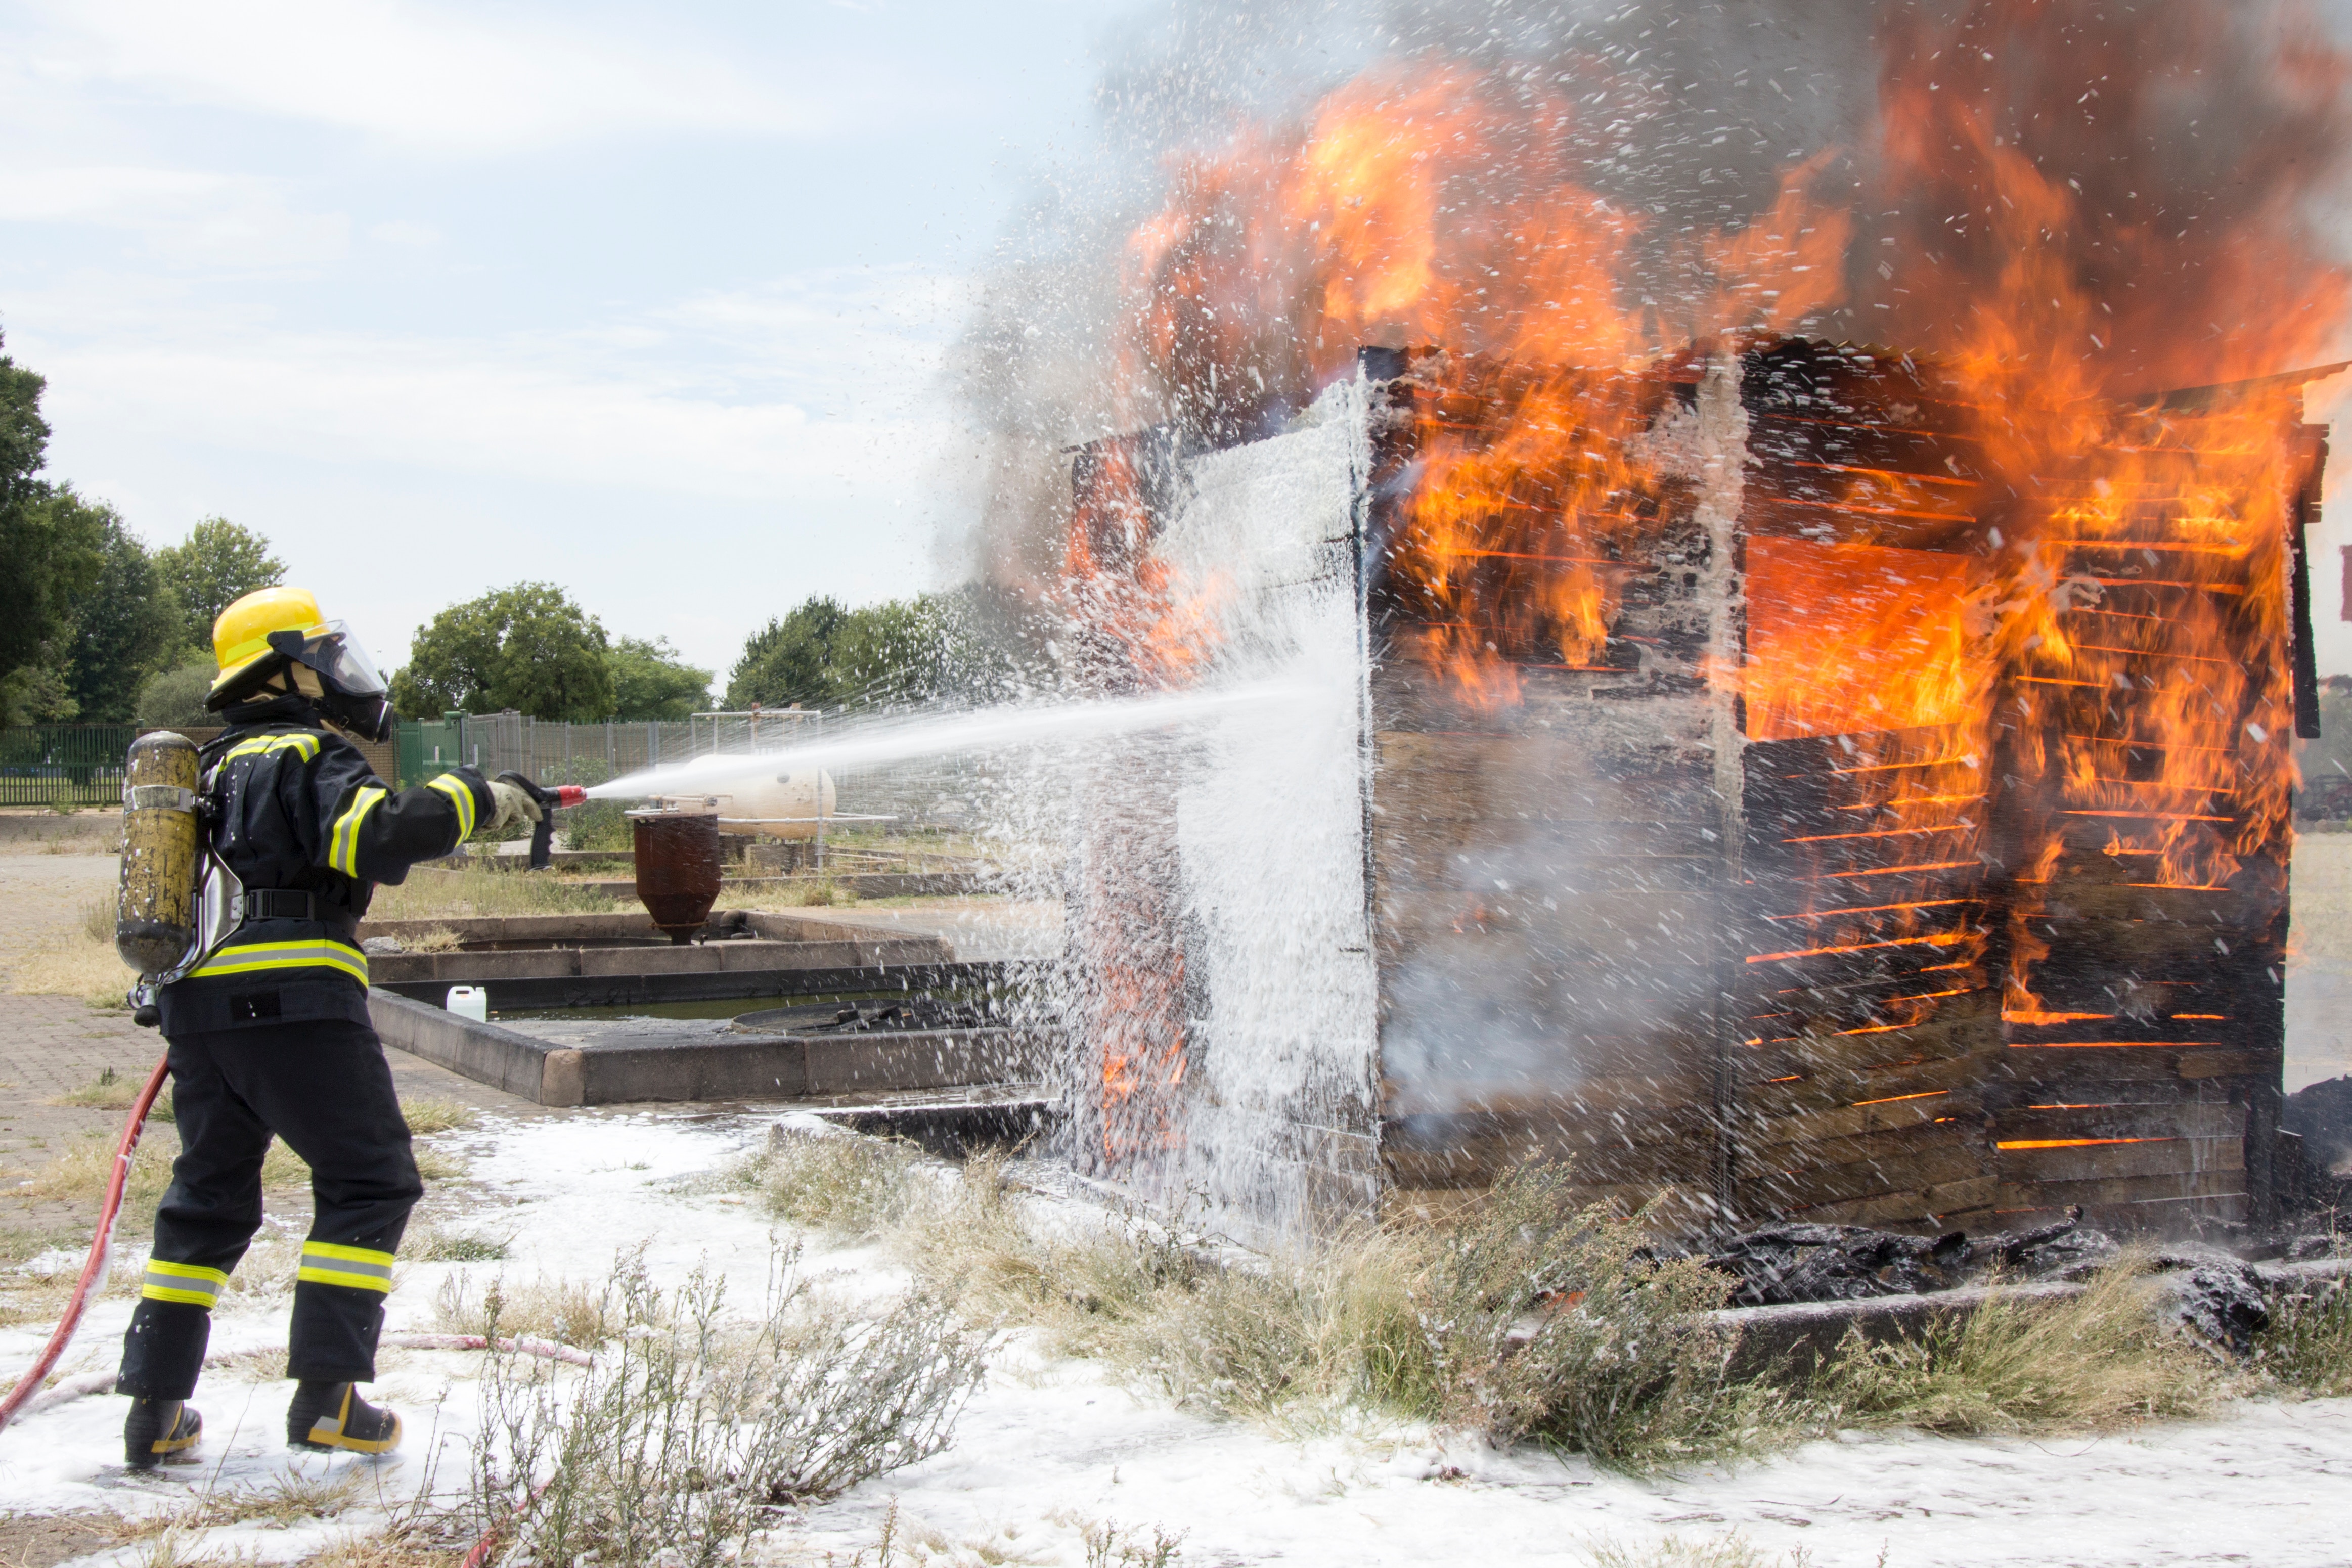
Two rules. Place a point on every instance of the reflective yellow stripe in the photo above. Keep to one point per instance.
(308, 745)
(251, 957)
(191, 1284)
(354, 1268)
(307, 1275)
(343, 1254)
(343, 838)
(254, 647)
(449, 784)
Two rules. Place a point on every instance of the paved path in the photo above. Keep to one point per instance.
(44, 897)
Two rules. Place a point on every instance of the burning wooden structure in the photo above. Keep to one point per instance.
(1800, 779)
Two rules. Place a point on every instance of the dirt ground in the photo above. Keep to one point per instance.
(43, 1539)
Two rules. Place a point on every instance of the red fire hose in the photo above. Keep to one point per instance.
(93, 1268)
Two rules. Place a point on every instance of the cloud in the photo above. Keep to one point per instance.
(446, 79)
(234, 219)
(823, 385)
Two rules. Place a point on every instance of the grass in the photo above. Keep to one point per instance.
(80, 1171)
(563, 1311)
(846, 1185)
(80, 961)
(112, 1091)
(428, 1241)
(478, 891)
(2086, 1363)
(1530, 1317)
(2307, 1348)
(1526, 1317)
(71, 964)
(425, 1117)
(290, 1499)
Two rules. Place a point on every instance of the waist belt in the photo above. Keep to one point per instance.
(275, 904)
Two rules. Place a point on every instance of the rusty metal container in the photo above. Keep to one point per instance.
(677, 869)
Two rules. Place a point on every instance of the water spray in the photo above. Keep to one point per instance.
(984, 729)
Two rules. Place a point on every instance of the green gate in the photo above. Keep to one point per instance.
(63, 764)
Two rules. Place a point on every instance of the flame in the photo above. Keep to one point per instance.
(2054, 658)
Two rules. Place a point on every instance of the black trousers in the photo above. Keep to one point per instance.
(323, 1087)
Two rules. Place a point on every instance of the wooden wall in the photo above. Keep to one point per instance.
(1898, 976)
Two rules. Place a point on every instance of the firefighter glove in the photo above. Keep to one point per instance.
(515, 805)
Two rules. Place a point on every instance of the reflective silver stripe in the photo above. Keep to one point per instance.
(343, 838)
(462, 797)
(192, 1285)
(355, 1268)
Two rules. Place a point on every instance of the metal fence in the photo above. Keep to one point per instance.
(81, 764)
(63, 764)
(554, 752)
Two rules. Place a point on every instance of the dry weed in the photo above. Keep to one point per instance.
(428, 1240)
(112, 1091)
(1527, 1317)
(403, 1544)
(179, 1547)
(476, 892)
(843, 1183)
(2018, 1364)
(563, 1311)
(72, 965)
(440, 939)
(38, 1299)
(1732, 1551)
(819, 892)
(425, 1117)
(78, 1174)
(690, 1428)
(293, 1497)
(2307, 1348)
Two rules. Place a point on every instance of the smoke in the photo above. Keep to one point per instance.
(2162, 169)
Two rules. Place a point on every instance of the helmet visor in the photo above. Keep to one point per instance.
(345, 662)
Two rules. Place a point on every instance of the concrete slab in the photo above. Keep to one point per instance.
(565, 1062)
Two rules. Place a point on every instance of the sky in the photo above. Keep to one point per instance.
(647, 301)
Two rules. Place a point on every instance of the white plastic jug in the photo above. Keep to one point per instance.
(470, 1002)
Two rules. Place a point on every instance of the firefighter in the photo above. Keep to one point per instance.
(270, 1032)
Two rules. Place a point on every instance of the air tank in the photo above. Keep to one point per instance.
(155, 907)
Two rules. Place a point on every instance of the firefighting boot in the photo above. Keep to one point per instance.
(332, 1416)
(157, 1431)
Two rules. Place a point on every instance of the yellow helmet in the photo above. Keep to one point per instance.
(274, 628)
(241, 635)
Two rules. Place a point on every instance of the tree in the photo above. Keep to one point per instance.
(50, 556)
(217, 565)
(126, 627)
(176, 696)
(966, 645)
(527, 647)
(789, 661)
(650, 681)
